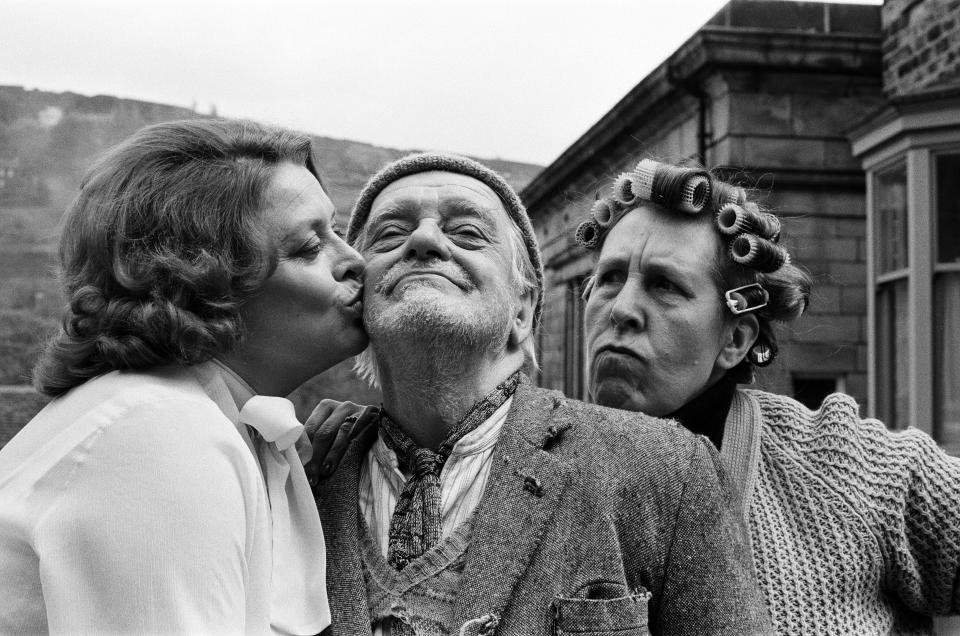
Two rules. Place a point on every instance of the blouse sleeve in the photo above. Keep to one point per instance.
(157, 529)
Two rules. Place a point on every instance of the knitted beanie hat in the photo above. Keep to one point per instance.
(429, 161)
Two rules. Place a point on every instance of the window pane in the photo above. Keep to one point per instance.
(890, 214)
(811, 391)
(948, 209)
(946, 366)
(893, 398)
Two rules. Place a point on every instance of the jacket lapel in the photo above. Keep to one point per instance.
(521, 495)
(340, 516)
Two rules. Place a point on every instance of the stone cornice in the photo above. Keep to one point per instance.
(711, 49)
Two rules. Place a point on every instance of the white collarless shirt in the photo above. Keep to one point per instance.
(462, 480)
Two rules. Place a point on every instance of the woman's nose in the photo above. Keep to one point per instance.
(350, 266)
(627, 311)
(427, 242)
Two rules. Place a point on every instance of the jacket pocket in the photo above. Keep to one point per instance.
(623, 616)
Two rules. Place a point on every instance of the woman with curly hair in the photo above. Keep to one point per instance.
(162, 490)
(854, 529)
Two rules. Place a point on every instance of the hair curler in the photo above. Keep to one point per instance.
(588, 234)
(623, 192)
(760, 254)
(694, 195)
(678, 188)
(642, 183)
(724, 193)
(605, 211)
(733, 219)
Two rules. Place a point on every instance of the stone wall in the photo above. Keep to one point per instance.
(921, 45)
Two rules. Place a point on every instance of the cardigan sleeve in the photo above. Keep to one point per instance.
(907, 489)
(710, 586)
(919, 521)
(156, 528)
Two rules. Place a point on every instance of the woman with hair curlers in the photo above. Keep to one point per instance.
(854, 529)
(162, 490)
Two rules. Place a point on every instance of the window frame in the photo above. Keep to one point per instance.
(920, 152)
(897, 162)
(938, 269)
(575, 372)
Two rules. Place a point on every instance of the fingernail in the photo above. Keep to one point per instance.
(326, 469)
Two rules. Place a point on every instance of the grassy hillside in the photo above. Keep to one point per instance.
(47, 141)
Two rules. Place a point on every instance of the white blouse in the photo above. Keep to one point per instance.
(134, 504)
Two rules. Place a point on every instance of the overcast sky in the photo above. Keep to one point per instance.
(520, 79)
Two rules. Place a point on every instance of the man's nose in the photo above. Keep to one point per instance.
(427, 242)
(628, 313)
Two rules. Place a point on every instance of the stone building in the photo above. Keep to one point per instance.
(766, 91)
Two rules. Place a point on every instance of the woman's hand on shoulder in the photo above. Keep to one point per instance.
(331, 428)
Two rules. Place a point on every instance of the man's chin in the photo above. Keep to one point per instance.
(423, 289)
(417, 310)
(425, 319)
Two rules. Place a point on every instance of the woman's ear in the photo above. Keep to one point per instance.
(743, 332)
(522, 323)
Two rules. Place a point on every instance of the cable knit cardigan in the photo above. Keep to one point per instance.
(855, 529)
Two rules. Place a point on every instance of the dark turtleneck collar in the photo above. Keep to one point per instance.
(706, 414)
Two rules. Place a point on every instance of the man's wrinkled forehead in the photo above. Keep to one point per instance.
(435, 190)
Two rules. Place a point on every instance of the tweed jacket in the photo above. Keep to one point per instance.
(593, 520)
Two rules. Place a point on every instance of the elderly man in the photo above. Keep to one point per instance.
(486, 505)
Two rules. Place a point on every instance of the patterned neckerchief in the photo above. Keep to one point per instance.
(416, 523)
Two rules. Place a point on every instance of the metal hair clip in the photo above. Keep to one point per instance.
(747, 298)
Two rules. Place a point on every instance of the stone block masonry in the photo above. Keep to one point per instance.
(921, 46)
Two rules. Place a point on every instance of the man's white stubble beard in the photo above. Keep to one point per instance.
(426, 336)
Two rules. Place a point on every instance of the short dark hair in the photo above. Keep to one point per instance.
(163, 244)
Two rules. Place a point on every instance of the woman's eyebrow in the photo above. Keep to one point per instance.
(671, 268)
(614, 261)
(297, 230)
